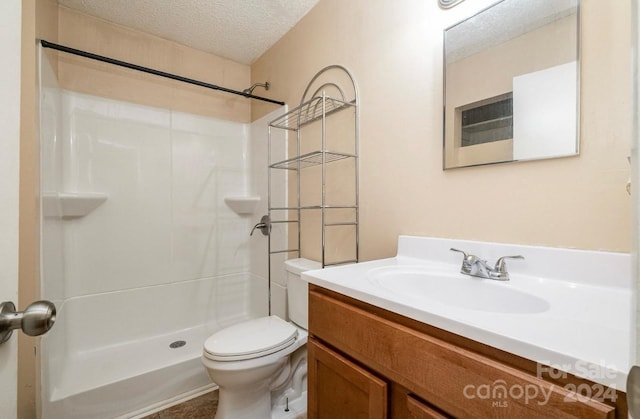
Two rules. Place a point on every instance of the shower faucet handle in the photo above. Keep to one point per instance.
(264, 225)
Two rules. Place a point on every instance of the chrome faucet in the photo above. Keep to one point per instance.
(474, 266)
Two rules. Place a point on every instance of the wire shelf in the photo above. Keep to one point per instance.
(342, 262)
(309, 112)
(311, 119)
(314, 207)
(273, 252)
(310, 159)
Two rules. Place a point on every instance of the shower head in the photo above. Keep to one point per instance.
(249, 90)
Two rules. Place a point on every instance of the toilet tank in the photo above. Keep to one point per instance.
(297, 289)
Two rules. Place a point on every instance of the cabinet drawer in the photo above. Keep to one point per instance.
(458, 381)
(420, 410)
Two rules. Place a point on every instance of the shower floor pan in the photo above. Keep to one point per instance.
(132, 378)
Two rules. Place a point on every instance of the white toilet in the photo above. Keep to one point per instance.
(261, 365)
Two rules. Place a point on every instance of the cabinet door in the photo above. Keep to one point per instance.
(340, 389)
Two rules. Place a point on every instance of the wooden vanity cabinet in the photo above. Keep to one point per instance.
(366, 362)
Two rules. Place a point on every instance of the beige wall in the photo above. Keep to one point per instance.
(39, 20)
(394, 49)
(46, 15)
(80, 31)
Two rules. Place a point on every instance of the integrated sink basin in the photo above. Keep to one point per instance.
(433, 284)
(566, 308)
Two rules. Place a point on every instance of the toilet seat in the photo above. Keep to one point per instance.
(251, 339)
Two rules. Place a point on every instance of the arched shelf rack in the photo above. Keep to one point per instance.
(331, 92)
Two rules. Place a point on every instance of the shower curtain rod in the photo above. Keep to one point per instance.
(47, 44)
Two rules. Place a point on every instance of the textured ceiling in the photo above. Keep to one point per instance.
(502, 22)
(241, 30)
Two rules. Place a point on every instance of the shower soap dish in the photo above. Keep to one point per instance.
(71, 204)
(242, 205)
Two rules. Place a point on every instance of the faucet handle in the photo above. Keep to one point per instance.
(467, 262)
(468, 257)
(501, 265)
(460, 251)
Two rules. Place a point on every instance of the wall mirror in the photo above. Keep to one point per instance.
(511, 84)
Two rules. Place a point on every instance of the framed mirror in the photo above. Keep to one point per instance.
(511, 84)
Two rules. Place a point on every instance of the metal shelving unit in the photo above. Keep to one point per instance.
(327, 99)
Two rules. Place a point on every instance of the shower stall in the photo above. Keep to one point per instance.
(145, 246)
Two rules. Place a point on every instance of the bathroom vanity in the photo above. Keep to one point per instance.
(380, 353)
(371, 363)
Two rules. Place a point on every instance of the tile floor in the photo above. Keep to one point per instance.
(203, 407)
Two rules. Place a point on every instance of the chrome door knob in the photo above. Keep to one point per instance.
(35, 320)
(633, 392)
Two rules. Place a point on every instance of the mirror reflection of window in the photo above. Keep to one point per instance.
(487, 122)
(506, 68)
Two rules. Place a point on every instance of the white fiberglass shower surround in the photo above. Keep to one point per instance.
(140, 252)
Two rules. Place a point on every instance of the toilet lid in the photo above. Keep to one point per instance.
(250, 339)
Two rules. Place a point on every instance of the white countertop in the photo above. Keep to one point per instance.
(586, 330)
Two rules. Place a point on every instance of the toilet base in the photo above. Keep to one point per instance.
(253, 405)
(290, 399)
(297, 409)
(250, 403)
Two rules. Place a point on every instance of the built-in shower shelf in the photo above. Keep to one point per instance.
(310, 159)
(242, 205)
(71, 204)
(310, 111)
